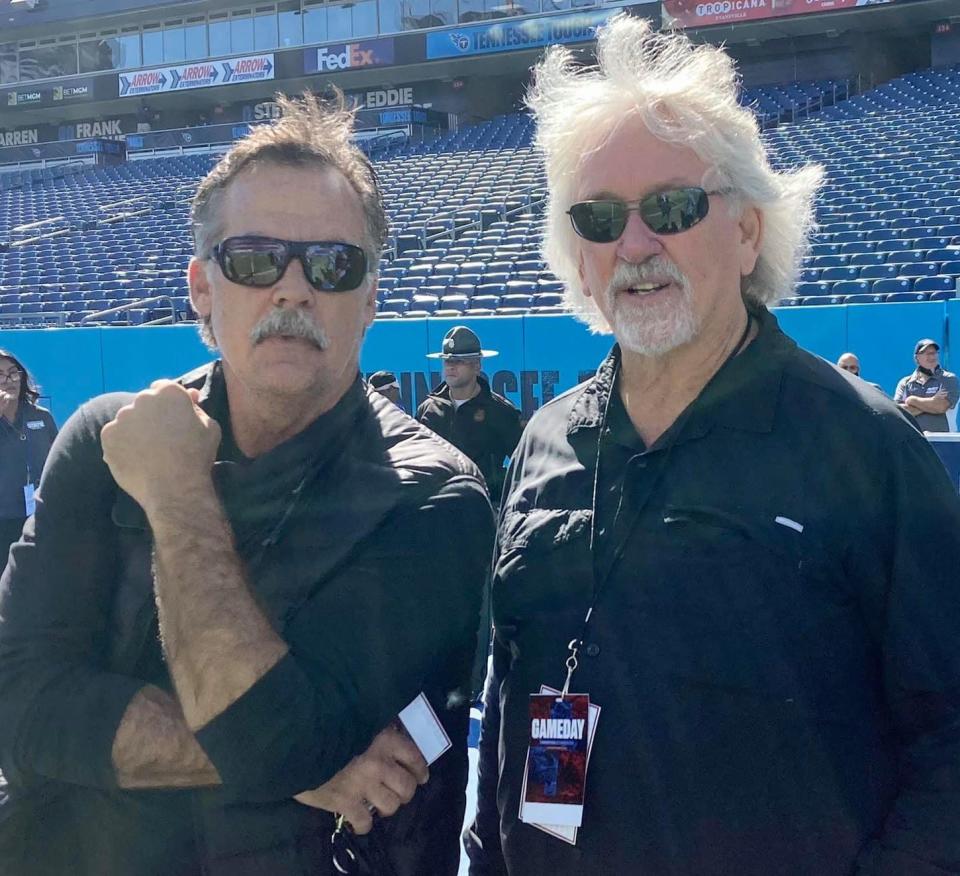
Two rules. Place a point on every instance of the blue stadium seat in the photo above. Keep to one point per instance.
(865, 299)
(934, 284)
(920, 269)
(818, 288)
(832, 274)
(894, 286)
(395, 305)
(851, 287)
(496, 289)
(427, 303)
(830, 261)
(458, 303)
(878, 272)
(897, 297)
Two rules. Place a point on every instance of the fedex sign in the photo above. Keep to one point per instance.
(349, 56)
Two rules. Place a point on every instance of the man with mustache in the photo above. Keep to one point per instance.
(220, 607)
(744, 559)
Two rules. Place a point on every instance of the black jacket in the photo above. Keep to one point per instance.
(24, 445)
(775, 644)
(486, 427)
(368, 623)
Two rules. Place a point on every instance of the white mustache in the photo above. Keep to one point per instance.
(654, 269)
(284, 323)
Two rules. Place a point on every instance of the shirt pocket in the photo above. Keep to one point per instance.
(723, 596)
(543, 565)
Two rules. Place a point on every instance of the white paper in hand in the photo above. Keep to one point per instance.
(425, 729)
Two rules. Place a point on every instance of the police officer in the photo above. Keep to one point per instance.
(464, 410)
(26, 433)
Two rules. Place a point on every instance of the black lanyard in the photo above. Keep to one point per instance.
(575, 644)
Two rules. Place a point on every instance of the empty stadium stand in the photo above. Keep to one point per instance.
(109, 245)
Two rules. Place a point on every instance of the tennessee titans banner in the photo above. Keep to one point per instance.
(203, 74)
(509, 36)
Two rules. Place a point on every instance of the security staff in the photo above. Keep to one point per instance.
(467, 413)
(26, 433)
(930, 391)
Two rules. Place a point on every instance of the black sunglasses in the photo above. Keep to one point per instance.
(666, 212)
(261, 261)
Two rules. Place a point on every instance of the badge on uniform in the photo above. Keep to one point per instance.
(29, 499)
(562, 728)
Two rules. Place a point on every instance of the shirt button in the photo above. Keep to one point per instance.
(593, 649)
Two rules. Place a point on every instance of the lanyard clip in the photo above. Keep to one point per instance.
(574, 648)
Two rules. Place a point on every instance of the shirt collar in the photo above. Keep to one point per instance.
(317, 442)
(918, 374)
(742, 395)
(443, 390)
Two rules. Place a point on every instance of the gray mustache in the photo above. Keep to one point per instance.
(655, 268)
(284, 323)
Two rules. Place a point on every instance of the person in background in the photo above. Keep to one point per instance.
(850, 363)
(26, 433)
(467, 413)
(385, 382)
(930, 391)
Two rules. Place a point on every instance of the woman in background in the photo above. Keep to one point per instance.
(26, 433)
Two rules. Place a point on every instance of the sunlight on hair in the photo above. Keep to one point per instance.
(685, 94)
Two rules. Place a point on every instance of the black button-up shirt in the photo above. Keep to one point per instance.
(366, 542)
(774, 643)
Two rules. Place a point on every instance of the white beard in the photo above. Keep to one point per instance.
(660, 325)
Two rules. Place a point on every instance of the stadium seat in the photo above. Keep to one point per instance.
(851, 287)
(897, 286)
(896, 297)
(935, 284)
(920, 269)
(834, 274)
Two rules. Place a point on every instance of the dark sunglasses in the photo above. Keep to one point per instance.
(666, 212)
(262, 261)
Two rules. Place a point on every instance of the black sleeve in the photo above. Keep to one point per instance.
(59, 706)
(915, 612)
(405, 605)
(513, 430)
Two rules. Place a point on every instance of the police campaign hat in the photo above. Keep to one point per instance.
(461, 343)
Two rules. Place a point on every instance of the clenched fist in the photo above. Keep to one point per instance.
(161, 444)
(383, 778)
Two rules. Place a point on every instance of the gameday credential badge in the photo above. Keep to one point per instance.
(556, 759)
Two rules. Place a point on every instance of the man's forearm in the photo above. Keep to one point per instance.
(154, 748)
(217, 641)
(937, 404)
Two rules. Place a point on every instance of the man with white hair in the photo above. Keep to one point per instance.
(726, 574)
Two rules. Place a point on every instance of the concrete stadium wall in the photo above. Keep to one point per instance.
(539, 356)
